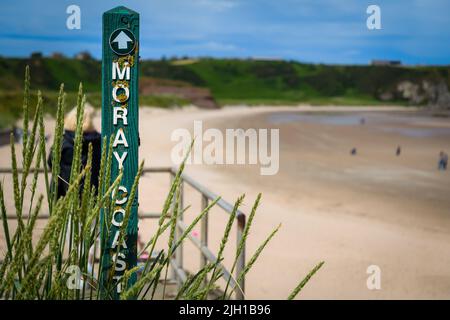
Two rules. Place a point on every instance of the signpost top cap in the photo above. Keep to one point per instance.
(121, 10)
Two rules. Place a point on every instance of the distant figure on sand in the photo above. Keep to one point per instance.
(353, 151)
(18, 134)
(398, 151)
(443, 160)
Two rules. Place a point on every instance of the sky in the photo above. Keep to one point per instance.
(316, 31)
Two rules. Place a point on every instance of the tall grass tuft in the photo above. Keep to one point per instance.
(43, 269)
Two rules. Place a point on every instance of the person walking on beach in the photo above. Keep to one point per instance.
(398, 151)
(443, 161)
(90, 136)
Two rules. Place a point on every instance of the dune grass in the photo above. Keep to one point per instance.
(11, 99)
(43, 269)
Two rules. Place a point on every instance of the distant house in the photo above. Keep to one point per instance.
(257, 58)
(36, 55)
(83, 55)
(386, 63)
(57, 55)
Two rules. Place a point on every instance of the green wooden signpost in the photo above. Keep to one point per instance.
(120, 114)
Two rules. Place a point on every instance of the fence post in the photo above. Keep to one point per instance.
(178, 259)
(179, 232)
(241, 259)
(204, 232)
(174, 272)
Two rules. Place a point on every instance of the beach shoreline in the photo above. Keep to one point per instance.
(351, 212)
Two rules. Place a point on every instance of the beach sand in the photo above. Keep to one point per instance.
(374, 208)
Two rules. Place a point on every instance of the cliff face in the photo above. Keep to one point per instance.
(440, 96)
(434, 94)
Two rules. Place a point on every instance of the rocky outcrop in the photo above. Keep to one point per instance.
(439, 96)
(433, 94)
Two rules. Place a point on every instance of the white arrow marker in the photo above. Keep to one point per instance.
(122, 39)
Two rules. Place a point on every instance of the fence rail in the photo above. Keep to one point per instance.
(178, 271)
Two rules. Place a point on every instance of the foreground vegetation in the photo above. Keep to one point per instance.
(12, 99)
(41, 269)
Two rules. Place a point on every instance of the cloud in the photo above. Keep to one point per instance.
(215, 46)
(311, 30)
(217, 5)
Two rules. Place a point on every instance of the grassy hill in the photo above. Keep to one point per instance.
(251, 81)
(229, 80)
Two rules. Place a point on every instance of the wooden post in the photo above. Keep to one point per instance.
(172, 208)
(120, 114)
(204, 233)
(241, 259)
(179, 233)
(204, 230)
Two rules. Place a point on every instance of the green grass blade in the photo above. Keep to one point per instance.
(305, 281)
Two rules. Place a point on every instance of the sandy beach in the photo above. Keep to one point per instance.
(372, 208)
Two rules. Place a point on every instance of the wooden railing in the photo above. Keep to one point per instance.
(178, 270)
